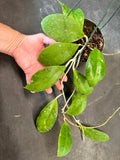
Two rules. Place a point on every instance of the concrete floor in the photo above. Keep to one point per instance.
(19, 139)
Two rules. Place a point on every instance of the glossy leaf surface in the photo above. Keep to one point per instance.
(95, 134)
(76, 14)
(78, 104)
(61, 28)
(64, 140)
(47, 117)
(95, 67)
(81, 83)
(45, 78)
(57, 53)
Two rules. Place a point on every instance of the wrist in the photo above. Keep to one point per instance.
(15, 43)
(9, 39)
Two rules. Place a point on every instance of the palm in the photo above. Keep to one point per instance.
(26, 55)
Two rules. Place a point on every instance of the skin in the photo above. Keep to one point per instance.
(25, 49)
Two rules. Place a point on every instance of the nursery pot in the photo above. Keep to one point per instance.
(96, 41)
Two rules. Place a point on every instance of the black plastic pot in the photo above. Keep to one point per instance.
(96, 41)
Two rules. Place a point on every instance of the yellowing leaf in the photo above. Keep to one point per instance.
(47, 117)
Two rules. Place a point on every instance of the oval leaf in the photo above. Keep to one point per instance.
(64, 140)
(81, 83)
(45, 78)
(78, 104)
(76, 14)
(47, 117)
(57, 53)
(61, 28)
(95, 134)
(95, 67)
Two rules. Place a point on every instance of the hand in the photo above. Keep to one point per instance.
(26, 55)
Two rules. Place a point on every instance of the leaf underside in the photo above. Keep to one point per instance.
(45, 78)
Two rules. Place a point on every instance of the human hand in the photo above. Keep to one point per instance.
(26, 55)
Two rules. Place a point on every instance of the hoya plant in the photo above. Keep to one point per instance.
(61, 57)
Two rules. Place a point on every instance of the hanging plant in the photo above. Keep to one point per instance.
(74, 44)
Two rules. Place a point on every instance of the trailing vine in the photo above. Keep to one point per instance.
(60, 58)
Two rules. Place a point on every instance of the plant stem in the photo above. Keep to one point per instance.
(59, 96)
(78, 61)
(73, 124)
(110, 17)
(68, 62)
(66, 104)
(74, 7)
(111, 54)
(105, 121)
(63, 93)
(82, 126)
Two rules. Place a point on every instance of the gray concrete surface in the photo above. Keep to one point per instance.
(19, 139)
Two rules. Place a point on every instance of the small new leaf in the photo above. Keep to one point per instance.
(76, 14)
(45, 78)
(95, 67)
(61, 28)
(78, 104)
(65, 8)
(81, 83)
(64, 140)
(95, 134)
(57, 53)
(47, 117)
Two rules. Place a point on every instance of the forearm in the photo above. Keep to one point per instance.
(9, 39)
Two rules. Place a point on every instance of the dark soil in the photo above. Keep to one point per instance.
(96, 41)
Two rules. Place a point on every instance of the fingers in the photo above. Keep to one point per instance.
(28, 79)
(47, 40)
(49, 90)
(58, 85)
(64, 77)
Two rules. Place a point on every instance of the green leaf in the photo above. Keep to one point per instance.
(64, 140)
(76, 14)
(65, 8)
(81, 83)
(62, 28)
(78, 104)
(47, 117)
(45, 78)
(95, 67)
(95, 134)
(57, 53)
